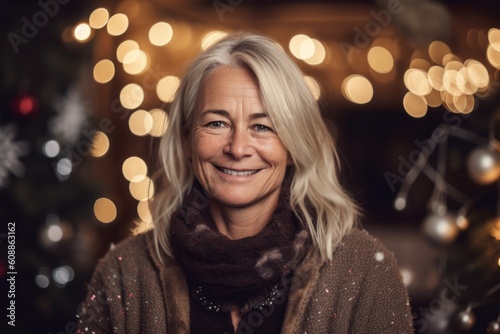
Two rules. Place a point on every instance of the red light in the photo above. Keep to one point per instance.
(26, 105)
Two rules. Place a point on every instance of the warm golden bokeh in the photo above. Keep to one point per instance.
(140, 122)
(82, 32)
(100, 144)
(134, 168)
(160, 122)
(167, 87)
(105, 210)
(380, 60)
(414, 105)
(117, 24)
(99, 18)
(104, 71)
(160, 33)
(357, 89)
(131, 96)
(142, 189)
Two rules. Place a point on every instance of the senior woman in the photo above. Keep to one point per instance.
(252, 231)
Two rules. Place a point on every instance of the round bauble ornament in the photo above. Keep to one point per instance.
(466, 320)
(483, 165)
(441, 228)
(493, 327)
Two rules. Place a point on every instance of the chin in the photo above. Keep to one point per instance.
(233, 201)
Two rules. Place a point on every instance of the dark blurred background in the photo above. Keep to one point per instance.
(408, 88)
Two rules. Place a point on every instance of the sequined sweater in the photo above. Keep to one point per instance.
(359, 291)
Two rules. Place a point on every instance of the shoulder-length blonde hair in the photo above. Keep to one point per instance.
(316, 194)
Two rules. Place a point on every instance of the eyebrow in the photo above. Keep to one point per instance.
(224, 113)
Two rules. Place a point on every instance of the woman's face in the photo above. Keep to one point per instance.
(236, 155)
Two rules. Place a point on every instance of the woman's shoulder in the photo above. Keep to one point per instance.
(132, 251)
(361, 249)
(360, 240)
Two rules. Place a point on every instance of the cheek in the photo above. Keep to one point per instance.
(205, 147)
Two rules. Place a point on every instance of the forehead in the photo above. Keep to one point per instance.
(229, 82)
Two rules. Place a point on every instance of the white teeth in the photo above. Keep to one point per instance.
(233, 172)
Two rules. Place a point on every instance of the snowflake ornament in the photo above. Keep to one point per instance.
(71, 118)
(10, 152)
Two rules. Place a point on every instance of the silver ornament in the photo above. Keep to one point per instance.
(442, 229)
(466, 320)
(483, 165)
(493, 327)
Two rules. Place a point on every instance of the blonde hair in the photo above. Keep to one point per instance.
(316, 194)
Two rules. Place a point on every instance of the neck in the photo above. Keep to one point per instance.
(238, 223)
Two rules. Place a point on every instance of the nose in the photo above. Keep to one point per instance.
(238, 145)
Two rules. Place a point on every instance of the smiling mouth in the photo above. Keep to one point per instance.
(237, 172)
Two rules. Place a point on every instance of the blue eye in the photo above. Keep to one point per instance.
(262, 128)
(215, 124)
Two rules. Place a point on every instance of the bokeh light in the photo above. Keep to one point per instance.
(494, 38)
(493, 55)
(449, 58)
(433, 99)
(105, 210)
(416, 81)
(82, 32)
(100, 144)
(136, 62)
(51, 148)
(131, 96)
(124, 48)
(302, 46)
(414, 105)
(143, 189)
(357, 89)
(63, 275)
(380, 60)
(117, 24)
(437, 51)
(166, 88)
(435, 77)
(478, 74)
(104, 71)
(160, 33)
(140, 122)
(64, 167)
(98, 18)
(143, 211)
(42, 279)
(54, 232)
(420, 64)
(134, 168)
(319, 54)
(160, 122)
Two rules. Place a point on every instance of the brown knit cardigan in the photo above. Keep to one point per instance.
(360, 291)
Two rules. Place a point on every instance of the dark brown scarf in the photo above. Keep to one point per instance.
(236, 273)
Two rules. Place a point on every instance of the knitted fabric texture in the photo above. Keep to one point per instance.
(359, 291)
(236, 273)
